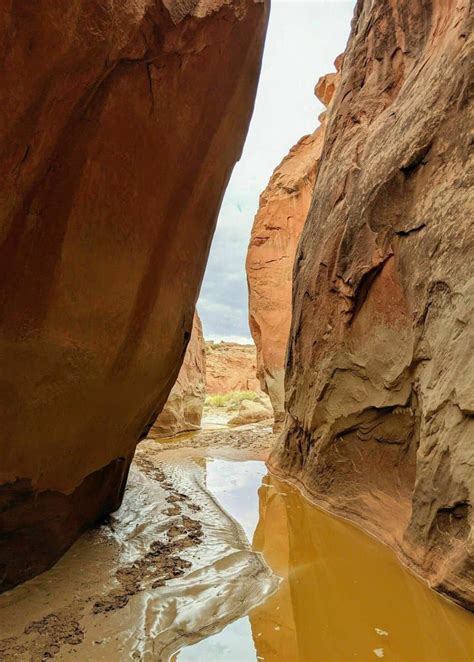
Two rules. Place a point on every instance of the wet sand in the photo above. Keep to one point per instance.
(167, 569)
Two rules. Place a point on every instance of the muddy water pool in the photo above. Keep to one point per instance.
(343, 595)
(252, 571)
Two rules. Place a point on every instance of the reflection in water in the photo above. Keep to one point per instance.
(236, 485)
(344, 595)
(234, 644)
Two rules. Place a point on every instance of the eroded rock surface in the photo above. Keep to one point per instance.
(379, 378)
(183, 409)
(276, 231)
(120, 125)
(230, 367)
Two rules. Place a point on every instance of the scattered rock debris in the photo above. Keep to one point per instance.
(46, 636)
(161, 562)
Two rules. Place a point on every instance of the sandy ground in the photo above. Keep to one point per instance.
(167, 569)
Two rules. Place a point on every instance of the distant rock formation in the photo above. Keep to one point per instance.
(276, 231)
(120, 125)
(230, 367)
(379, 379)
(183, 409)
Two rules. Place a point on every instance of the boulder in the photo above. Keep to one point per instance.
(120, 126)
(250, 411)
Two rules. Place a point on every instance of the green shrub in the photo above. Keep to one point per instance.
(231, 399)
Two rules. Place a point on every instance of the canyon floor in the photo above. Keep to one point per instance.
(212, 558)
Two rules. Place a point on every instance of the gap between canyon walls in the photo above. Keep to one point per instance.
(379, 376)
(276, 230)
(121, 123)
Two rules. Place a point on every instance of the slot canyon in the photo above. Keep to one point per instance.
(236, 392)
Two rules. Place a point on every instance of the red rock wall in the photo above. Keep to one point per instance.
(275, 234)
(183, 409)
(120, 125)
(230, 367)
(379, 376)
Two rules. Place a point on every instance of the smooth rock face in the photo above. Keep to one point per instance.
(379, 376)
(275, 234)
(183, 409)
(230, 367)
(120, 125)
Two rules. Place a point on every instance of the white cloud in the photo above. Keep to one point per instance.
(241, 340)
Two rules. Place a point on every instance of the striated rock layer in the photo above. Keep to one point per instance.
(275, 234)
(183, 409)
(120, 125)
(230, 367)
(379, 375)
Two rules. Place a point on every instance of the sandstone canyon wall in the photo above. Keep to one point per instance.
(230, 367)
(183, 409)
(120, 125)
(275, 234)
(379, 391)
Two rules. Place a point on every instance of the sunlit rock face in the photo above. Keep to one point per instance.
(379, 376)
(275, 234)
(183, 409)
(120, 125)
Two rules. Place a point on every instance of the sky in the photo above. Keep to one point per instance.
(303, 40)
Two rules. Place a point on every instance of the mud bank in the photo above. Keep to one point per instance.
(167, 569)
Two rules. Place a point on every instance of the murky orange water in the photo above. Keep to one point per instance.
(344, 596)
